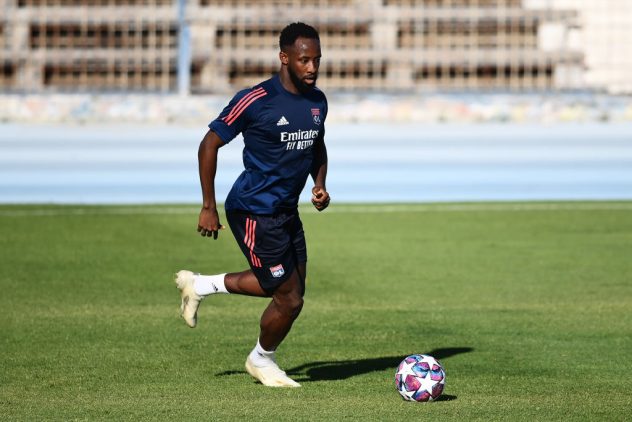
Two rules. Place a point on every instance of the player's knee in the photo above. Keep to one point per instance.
(295, 307)
(290, 305)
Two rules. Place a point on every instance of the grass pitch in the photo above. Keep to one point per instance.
(528, 306)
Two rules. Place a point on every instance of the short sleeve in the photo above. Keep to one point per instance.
(235, 118)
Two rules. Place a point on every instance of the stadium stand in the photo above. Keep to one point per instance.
(371, 45)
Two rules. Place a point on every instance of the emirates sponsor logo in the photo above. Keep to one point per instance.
(300, 139)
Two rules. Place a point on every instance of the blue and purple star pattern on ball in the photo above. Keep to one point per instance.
(420, 378)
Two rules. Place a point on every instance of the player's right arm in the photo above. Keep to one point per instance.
(208, 224)
(233, 119)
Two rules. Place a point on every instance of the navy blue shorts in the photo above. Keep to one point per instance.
(273, 244)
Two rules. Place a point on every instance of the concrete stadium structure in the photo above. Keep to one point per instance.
(217, 46)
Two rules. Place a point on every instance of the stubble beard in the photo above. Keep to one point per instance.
(298, 82)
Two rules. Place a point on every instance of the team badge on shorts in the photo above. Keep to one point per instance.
(316, 115)
(277, 271)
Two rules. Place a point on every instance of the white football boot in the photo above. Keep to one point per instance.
(190, 299)
(270, 375)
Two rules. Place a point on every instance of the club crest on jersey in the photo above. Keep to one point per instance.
(316, 115)
(277, 271)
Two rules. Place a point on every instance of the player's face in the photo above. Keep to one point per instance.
(303, 61)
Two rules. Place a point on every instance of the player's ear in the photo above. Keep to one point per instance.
(284, 57)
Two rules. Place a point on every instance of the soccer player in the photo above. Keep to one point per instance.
(283, 124)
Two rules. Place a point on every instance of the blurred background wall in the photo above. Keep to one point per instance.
(217, 46)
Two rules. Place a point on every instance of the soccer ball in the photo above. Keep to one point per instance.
(420, 378)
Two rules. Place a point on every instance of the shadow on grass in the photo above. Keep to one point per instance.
(340, 370)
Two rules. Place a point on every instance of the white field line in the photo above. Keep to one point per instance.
(337, 209)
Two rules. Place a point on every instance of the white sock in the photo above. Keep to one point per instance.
(261, 357)
(205, 285)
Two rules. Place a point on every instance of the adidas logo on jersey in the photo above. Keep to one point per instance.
(282, 121)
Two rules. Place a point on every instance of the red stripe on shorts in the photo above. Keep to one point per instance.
(249, 240)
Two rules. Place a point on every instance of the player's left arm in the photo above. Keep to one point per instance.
(320, 196)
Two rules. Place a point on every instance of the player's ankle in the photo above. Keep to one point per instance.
(261, 357)
(205, 285)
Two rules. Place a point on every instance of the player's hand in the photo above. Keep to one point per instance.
(320, 198)
(208, 224)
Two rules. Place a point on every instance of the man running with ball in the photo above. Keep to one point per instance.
(282, 121)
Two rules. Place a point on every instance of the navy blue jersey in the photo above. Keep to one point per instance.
(279, 129)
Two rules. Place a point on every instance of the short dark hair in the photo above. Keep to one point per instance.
(296, 30)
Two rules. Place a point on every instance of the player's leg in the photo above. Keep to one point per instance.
(286, 305)
(287, 299)
(195, 287)
(276, 322)
(244, 283)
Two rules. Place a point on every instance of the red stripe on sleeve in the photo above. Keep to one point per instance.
(243, 100)
(237, 108)
(243, 107)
